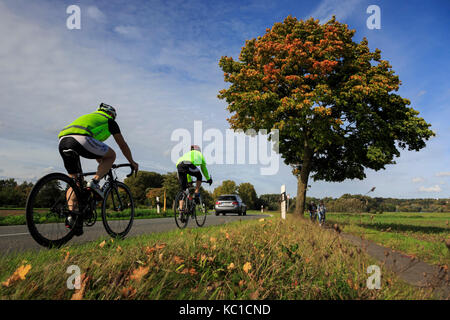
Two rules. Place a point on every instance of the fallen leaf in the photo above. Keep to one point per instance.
(119, 248)
(185, 270)
(66, 258)
(192, 271)
(230, 266)
(149, 250)
(247, 267)
(160, 246)
(241, 283)
(102, 244)
(78, 295)
(137, 274)
(178, 260)
(19, 274)
(254, 295)
(128, 292)
(350, 282)
(212, 239)
(261, 220)
(227, 235)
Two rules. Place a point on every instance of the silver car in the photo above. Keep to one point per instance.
(230, 203)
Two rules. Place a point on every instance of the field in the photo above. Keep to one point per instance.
(258, 259)
(423, 235)
(16, 216)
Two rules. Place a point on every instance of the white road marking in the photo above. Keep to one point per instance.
(13, 234)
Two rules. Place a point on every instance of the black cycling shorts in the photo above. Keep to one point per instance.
(187, 168)
(88, 148)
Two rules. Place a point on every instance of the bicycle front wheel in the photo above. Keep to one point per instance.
(181, 216)
(200, 214)
(118, 210)
(52, 210)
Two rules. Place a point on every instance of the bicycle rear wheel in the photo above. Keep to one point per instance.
(52, 210)
(118, 210)
(200, 214)
(181, 216)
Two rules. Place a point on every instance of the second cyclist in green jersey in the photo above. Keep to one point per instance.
(188, 167)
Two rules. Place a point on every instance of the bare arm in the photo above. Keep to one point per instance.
(125, 150)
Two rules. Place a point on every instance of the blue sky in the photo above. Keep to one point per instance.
(157, 61)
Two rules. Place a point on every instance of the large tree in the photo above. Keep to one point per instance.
(333, 101)
(140, 184)
(227, 187)
(248, 194)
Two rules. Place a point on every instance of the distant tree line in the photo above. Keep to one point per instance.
(360, 203)
(146, 186)
(13, 194)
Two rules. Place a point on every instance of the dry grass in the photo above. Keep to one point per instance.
(260, 259)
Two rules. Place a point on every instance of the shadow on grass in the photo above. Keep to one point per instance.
(403, 227)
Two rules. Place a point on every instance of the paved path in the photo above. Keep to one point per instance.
(412, 271)
(17, 238)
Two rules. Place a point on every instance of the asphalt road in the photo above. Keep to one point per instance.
(17, 238)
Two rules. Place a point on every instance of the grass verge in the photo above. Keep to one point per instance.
(258, 259)
(423, 235)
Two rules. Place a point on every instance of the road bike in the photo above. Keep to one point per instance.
(190, 208)
(59, 205)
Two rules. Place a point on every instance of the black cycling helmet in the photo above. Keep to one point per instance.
(108, 109)
(195, 147)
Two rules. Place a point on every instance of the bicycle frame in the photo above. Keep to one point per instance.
(110, 182)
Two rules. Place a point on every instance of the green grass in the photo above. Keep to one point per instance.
(418, 234)
(291, 259)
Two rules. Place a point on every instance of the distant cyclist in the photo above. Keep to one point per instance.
(312, 208)
(321, 210)
(85, 136)
(187, 167)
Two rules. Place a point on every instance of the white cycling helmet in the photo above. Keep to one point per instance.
(108, 109)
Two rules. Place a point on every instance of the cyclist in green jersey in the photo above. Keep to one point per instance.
(84, 137)
(187, 167)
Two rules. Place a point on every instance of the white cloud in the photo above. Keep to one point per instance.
(418, 179)
(95, 13)
(421, 93)
(339, 8)
(443, 174)
(51, 79)
(435, 188)
(128, 31)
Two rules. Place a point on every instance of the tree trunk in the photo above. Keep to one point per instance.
(302, 182)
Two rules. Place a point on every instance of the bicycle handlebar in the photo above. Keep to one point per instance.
(116, 166)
